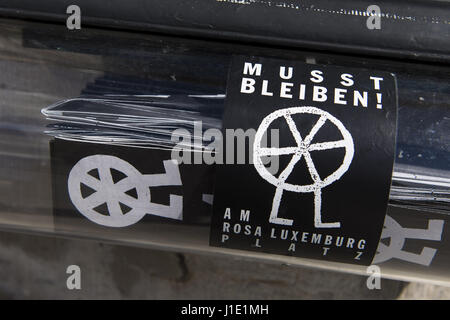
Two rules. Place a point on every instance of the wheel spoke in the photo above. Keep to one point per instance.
(276, 151)
(105, 176)
(288, 170)
(327, 145)
(311, 168)
(294, 130)
(95, 199)
(128, 200)
(114, 208)
(90, 181)
(125, 184)
(314, 130)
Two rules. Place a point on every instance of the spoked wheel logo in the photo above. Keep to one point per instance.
(123, 209)
(303, 148)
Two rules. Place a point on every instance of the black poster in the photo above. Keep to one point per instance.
(313, 176)
(107, 186)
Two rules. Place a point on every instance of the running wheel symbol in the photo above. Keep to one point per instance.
(303, 148)
(116, 194)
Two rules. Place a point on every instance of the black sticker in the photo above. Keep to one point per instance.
(119, 187)
(320, 189)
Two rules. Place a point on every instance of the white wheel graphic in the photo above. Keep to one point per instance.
(398, 235)
(303, 148)
(114, 195)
